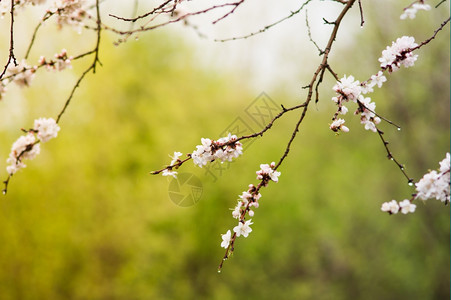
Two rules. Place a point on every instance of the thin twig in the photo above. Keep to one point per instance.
(47, 15)
(432, 37)
(391, 157)
(309, 33)
(293, 13)
(362, 20)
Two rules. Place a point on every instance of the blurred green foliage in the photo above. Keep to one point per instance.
(85, 220)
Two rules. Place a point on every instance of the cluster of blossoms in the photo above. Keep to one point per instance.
(70, 12)
(393, 207)
(399, 54)
(411, 11)
(435, 184)
(224, 149)
(348, 89)
(5, 5)
(22, 74)
(246, 201)
(61, 61)
(27, 146)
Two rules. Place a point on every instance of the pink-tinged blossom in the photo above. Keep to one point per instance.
(407, 207)
(25, 147)
(224, 149)
(62, 61)
(226, 239)
(70, 12)
(391, 207)
(337, 125)
(243, 228)
(3, 88)
(245, 197)
(267, 172)
(348, 88)
(22, 74)
(46, 129)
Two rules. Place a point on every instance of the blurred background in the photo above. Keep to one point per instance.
(85, 220)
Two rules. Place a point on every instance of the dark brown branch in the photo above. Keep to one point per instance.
(142, 16)
(174, 166)
(178, 19)
(362, 20)
(11, 56)
(91, 67)
(318, 71)
(260, 133)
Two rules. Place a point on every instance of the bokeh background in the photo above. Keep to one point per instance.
(85, 220)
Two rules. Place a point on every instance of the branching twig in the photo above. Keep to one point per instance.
(293, 13)
(310, 33)
(319, 70)
(91, 67)
(11, 43)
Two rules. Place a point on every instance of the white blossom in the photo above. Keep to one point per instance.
(445, 164)
(175, 158)
(436, 184)
(46, 129)
(407, 207)
(391, 207)
(348, 88)
(243, 228)
(224, 149)
(378, 79)
(410, 12)
(236, 211)
(267, 171)
(167, 172)
(226, 239)
(399, 53)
